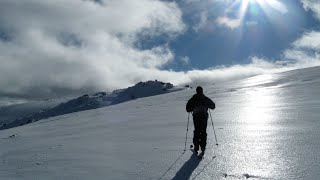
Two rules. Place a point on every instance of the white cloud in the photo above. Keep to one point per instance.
(61, 46)
(185, 60)
(203, 20)
(310, 40)
(228, 22)
(313, 5)
(257, 66)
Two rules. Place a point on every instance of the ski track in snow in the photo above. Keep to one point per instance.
(267, 127)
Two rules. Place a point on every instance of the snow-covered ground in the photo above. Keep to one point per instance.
(11, 113)
(267, 128)
(21, 114)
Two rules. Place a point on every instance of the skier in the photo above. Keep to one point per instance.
(199, 105)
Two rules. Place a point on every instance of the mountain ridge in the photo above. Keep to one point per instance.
(94, 101)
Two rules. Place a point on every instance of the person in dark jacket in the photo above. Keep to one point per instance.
(199, 105)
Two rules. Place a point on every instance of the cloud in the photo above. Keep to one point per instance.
(185, 60)
(50, 49)
(313, 5)
(228, 22)
(305, 51)
(310, 40)
(53, 49)
(203, 21)
(257, 66)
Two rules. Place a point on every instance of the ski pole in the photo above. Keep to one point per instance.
(215, 136)
(185, 143)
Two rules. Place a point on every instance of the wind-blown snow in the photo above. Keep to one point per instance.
(267, 128)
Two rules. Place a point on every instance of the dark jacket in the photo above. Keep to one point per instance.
(199, 103)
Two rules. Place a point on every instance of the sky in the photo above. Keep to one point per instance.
(52, 49)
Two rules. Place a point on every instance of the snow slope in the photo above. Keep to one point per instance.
(17, 115)
(267, 128)
(11, 113)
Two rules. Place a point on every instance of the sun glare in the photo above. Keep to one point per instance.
(257, 6)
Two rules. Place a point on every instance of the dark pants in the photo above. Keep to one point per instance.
(200, 121)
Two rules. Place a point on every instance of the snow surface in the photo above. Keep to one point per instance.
(11, 113)
(267, 128)
(21, 114)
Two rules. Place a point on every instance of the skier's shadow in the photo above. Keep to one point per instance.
(186, 170)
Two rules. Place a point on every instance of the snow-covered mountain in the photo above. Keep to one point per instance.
(11, 113)
(267, 128)
(17, 115)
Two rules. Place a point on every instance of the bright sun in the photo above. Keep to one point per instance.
(265, 5)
